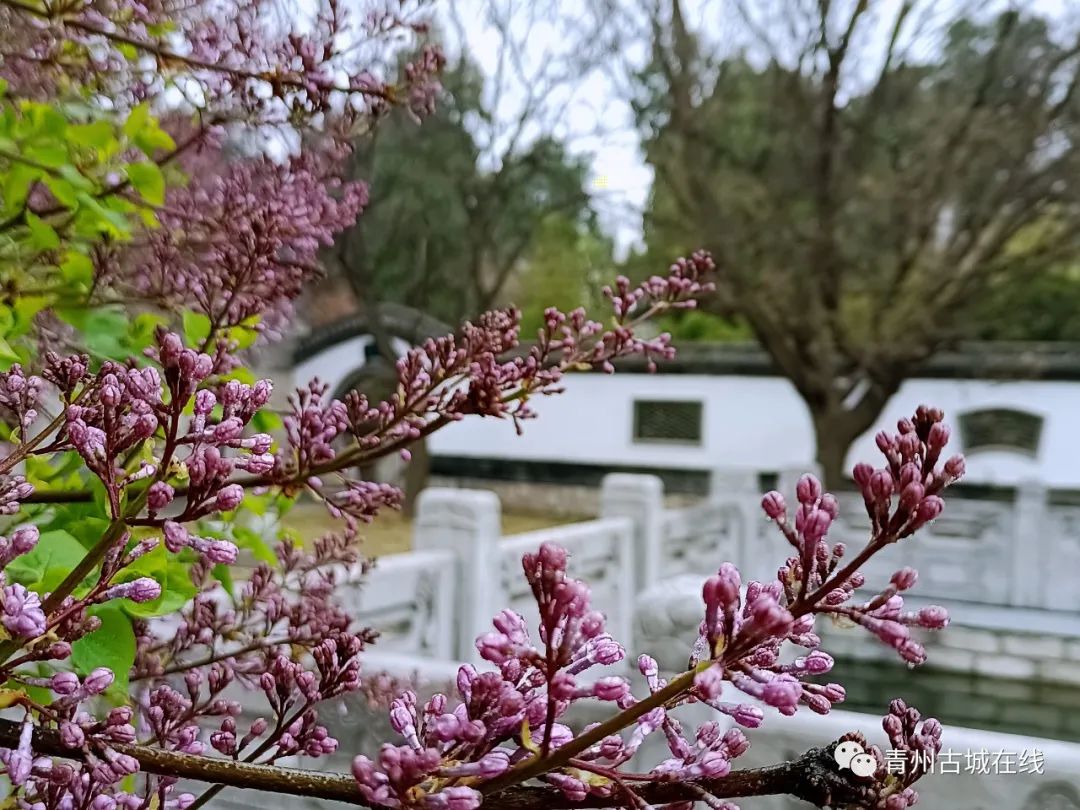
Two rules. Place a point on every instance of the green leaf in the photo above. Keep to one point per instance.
(48, 121)
(153, 138)
(96, 135)
(17, 184)
(223, 574)
(137, 120)
(8, 354)
(51, 155)
(146, 178)
(65, 193)
(112, 645)
(42, 235)
(77, 269)
(55, 549)
(196, 327)
(173, 577)
(253, 541)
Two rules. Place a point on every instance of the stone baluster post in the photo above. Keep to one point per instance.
(640, 498)
(1030, 546)
(468, 523)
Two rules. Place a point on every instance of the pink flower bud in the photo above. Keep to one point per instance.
(220, 552)
(159, 496)
(881, 485)
(892, 633)
(773, 505)
(817, 662)
(709, 683)
(24, 539)
(611, 688)
(64, 683)
(71, 735)
(908, 445)
(171, 347)
(808, 489)
(782, 692)
(884, 442)
(204, 402)
(909, 474)
(229, 498)
(861, 474)
(905, 579)
(938, 436)
(98, 681)
(176, 536)
(722, 590)
(816, 525)
(228, 430)
(911, 496)
(933, 617)
(747, 716)
(143, 589)
(829, 505)
(929, 509)
(955, 467)
(553, 556)
(912, 652)
(834, 692)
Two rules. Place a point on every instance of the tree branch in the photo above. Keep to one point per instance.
(813, 777)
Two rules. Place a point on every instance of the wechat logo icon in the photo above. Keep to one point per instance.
(849, 754)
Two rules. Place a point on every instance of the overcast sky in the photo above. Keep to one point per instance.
(594, 119)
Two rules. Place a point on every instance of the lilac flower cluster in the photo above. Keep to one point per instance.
(504, 728)
(19, 396)
(474, 373)
(481, 736)
(246, 69)
(239, 244)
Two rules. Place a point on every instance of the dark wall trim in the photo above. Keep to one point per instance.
(971, 361)
(687, 482)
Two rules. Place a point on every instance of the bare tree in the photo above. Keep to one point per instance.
(862, 179)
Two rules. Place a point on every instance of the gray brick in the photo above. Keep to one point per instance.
(1061, 671)
(1041, 647)
(1004, 666)
(965, 638)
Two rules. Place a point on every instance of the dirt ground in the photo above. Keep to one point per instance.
(391, 532)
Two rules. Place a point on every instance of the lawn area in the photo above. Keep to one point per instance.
(391, 532)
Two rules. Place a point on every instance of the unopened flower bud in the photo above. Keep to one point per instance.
(929, 509)
(159, 496)
(64, 683)
(881, 485)
(938, 436)
(808, 489)
(955, 467)
(933, 617)
(709, 683)
(773, 505)
(911, 496)
(229, 498)
(905, 579)
(98, 681)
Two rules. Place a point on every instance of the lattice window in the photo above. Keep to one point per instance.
(1001, 429)
(657, 421)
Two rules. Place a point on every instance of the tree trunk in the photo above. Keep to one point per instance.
(835, 429)
(416, 475)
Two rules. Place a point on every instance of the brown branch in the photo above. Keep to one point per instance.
(813, 777)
